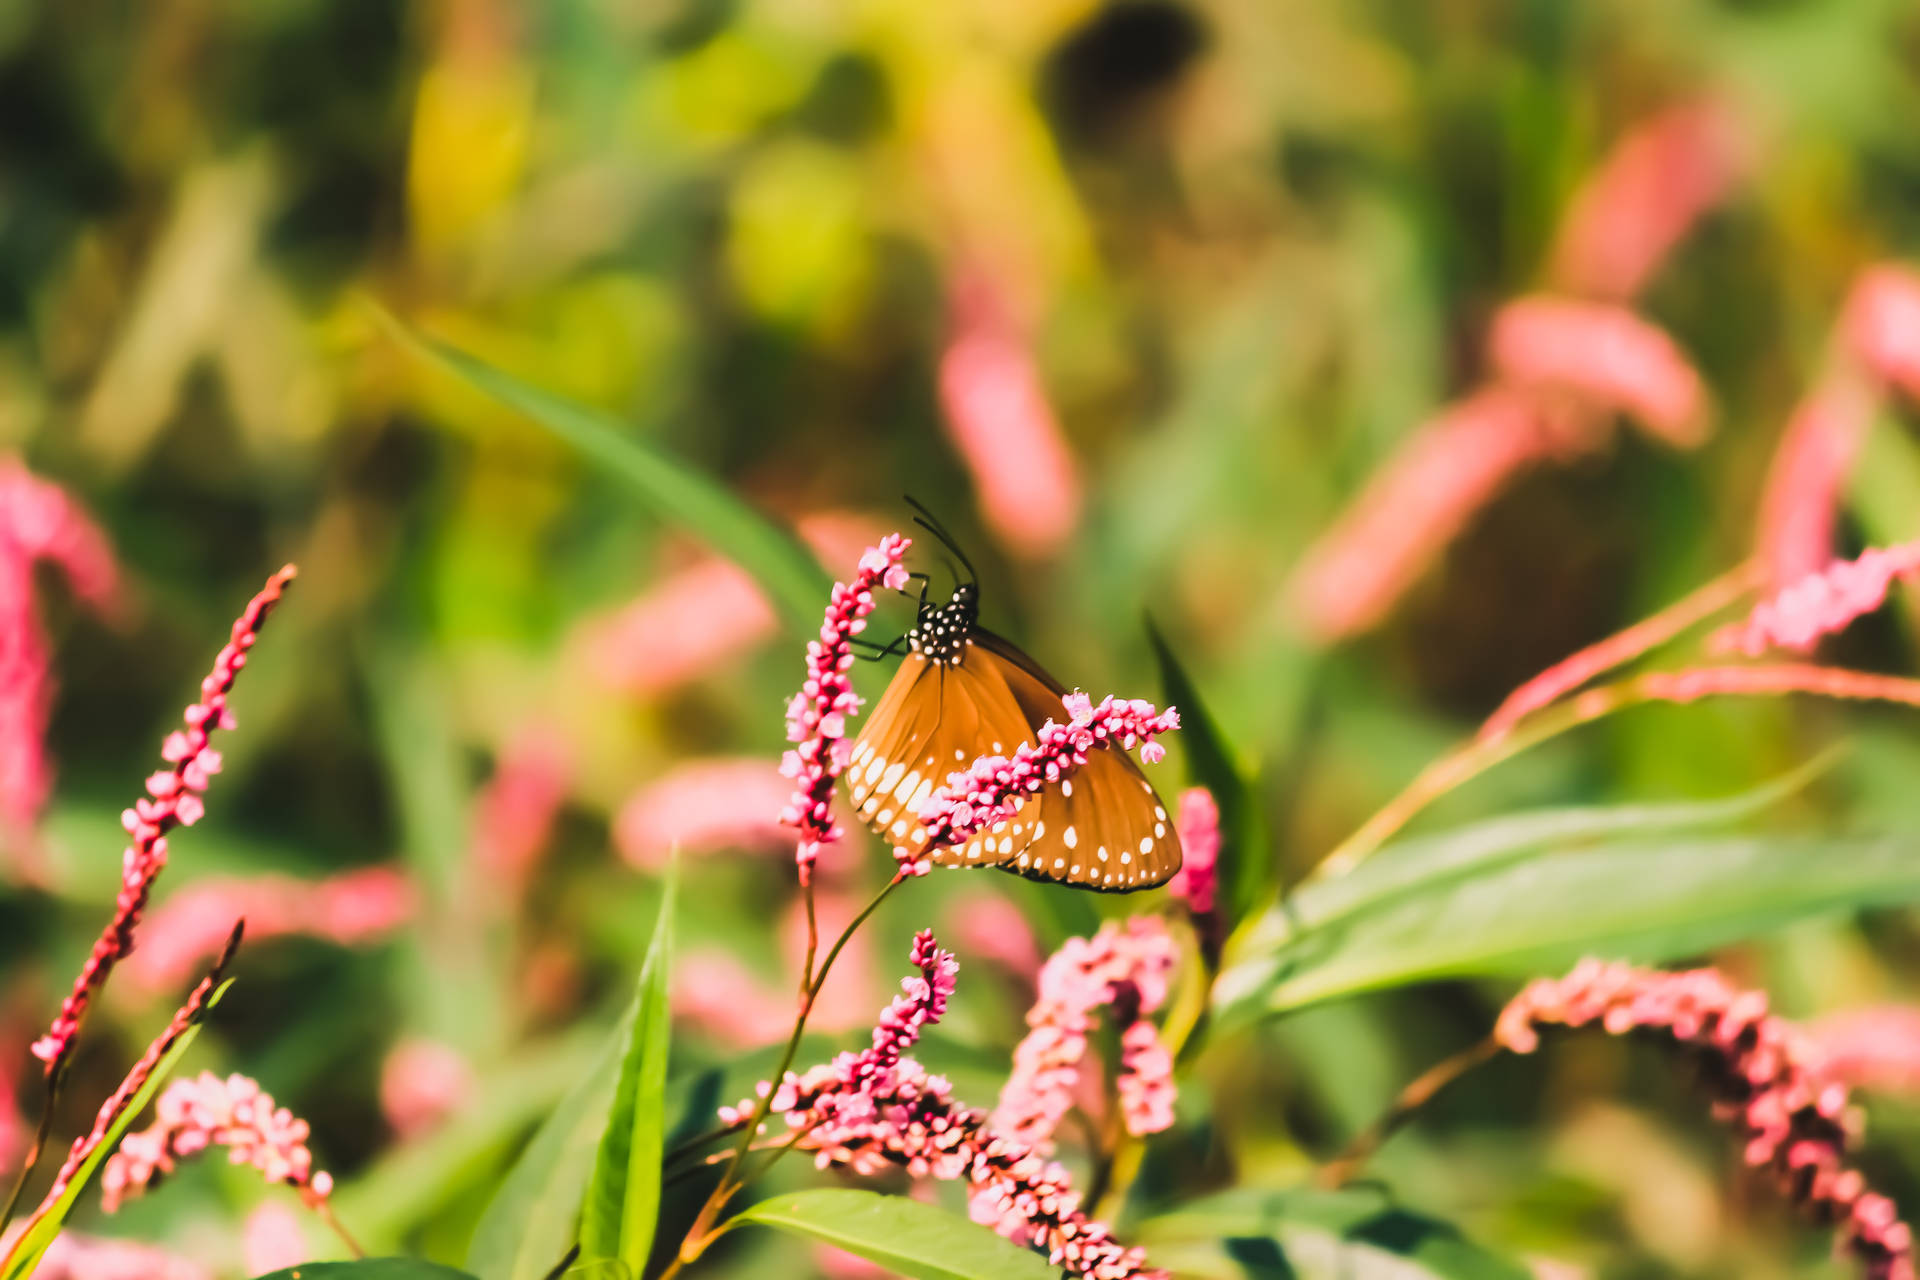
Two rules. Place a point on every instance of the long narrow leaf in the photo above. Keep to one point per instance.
(789, 575)
(922, 1241)
(1655, 900)
(623, 1199)
(369, 1269)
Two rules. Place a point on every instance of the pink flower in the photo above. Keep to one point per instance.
(1645, 196)
(1126, 966)
(193, 1115)
(1198, 823)
(515, 812)
(879, 1110)
(1822, 603)
(175, 801)
(350, 909)
(38, 522)
(117, 1102)
(1762, 1076)
(996, 786)
(1883, 325)
(1607, 356)
(13, 1132)
(1809, 471)
(1876, 1048)
(715, 994)
(1450, 468)
(272, 1239)
(997, 412)
(986, 925)
(76, 1257)
(421, 1084)
(817, 715)
(707, 805)
(701, 617)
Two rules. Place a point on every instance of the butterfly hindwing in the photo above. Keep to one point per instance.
(934, 719)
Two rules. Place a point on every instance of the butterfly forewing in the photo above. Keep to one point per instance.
(934, 719)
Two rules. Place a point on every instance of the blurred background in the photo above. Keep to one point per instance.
(1139, 296)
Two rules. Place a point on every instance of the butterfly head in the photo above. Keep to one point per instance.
(940, 633)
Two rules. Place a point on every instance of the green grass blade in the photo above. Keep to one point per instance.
(922, 1241)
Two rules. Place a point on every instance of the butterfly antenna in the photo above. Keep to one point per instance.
(931, 523)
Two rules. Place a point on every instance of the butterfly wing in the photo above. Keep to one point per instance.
(933, 719)
(1105, 827)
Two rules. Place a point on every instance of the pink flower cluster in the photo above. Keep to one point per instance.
(515, 811)
(1822, 603)
(37, 522)
(997, 413)
(422, 1083)
(817, 716)
(1198, 822)
(1604, 354)
(78, 1257)
(193, 1115)
(1762, 1077)
(994, 788)
(350, 909)
(1126, 966)
(880, 1110)
(173, 800)
(725, 803)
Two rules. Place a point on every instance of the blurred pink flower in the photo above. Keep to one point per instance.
(817, 715)
(698, 619)
(1820, 604)
(175, 801)
(38, 522)
(76, 1257)
(997, 413)
(272, 1239)
(1124, 965)
(720, 997)
(1607, 356)
(1883, 325)
(1761, 1073)
(1438, 480)
(1646, 195)
(987, 925)
(838, 1264)
(350, 909)
(1198, 822)
(515, 811)
(726, 803)
(421, 1084)
(1809, 472)
(13, 1131)
(192, 1115)
(1876, 1048)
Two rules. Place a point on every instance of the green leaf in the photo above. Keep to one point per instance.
(32, 1244)
(369, 1269)
(1354, 1234)
(1647, 900)
(623, 1200)
(1247, 863)
(784, 569)
(922, 1241)
(1425, 864)
(533, 1218)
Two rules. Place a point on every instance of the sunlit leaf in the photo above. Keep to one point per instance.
(1308, 1234)
(623, 1197)
(1649, 900)
(369, 1269)
(923, 1241)
(791, 577)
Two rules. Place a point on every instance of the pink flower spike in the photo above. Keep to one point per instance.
(1763, 1076)
(516, 811)
(1883, 325)
(1198, 822)
(422, 1083)
(1608, 356)
(1820, 604)
(1809, 473)
(995, 787)
(148, 825)
(194, 1115)
(816, 718)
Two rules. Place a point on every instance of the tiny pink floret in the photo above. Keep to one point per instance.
(194, 1115)
(1822, 603)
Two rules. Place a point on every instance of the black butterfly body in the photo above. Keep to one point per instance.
(963, 692)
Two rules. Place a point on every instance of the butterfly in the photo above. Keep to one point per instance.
(963, 692)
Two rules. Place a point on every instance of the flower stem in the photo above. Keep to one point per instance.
(703, 1232)
(1337, 1172)
(40, 1134)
